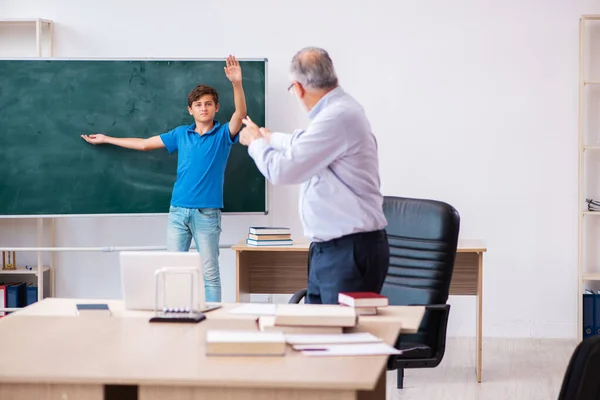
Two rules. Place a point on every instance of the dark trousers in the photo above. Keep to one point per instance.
(352, 263)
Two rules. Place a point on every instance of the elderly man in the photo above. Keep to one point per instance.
(335, 159)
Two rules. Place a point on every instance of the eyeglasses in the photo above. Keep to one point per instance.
(291, 86)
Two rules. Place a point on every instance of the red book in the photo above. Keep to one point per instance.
(362, 299)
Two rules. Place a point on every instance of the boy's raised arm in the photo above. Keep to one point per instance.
(234, 74)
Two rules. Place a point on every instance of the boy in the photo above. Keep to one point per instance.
(198, 191)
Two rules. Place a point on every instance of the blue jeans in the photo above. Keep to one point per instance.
(204, 225)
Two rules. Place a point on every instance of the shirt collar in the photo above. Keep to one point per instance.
(192, 127)
(322, 103)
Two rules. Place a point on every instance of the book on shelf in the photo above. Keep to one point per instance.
(591, 313)
(32, 294)
(269, 236)
(3, 303)
(17, 295)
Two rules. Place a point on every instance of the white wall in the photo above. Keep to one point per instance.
(474, 103)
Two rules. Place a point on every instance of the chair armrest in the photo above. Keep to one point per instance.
(295, 299)
(441, 309)
(441, 342)
(436, 307)
(413, 346)
(444, 311)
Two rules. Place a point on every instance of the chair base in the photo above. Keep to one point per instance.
(400, 378)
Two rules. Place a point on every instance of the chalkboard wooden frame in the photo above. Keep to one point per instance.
(267, 194)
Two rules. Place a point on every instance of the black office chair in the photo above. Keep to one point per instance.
(423, 237)
(581, 377)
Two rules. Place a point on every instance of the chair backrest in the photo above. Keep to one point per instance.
(581, 377)
(423, 237)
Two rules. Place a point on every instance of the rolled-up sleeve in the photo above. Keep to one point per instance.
(307, 153)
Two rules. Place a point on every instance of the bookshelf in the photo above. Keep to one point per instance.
(44, 33)
(589, 160)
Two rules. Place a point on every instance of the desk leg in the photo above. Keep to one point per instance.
(479, 313)
(242, 277)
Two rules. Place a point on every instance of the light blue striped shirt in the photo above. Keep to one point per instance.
(335, 159)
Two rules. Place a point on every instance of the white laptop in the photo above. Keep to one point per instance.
(138, 274)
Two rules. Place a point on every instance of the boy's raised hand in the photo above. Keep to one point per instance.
(233, 71)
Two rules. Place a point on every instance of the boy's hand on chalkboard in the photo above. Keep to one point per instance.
(233, 71)
(95, 138)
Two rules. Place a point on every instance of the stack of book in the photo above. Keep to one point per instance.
(271, 339)
(308, 319)
(364, 303)
(269, 236)
(311, 329)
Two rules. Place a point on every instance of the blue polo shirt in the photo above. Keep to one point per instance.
(200, 165)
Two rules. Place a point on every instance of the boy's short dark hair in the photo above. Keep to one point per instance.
(200, 91)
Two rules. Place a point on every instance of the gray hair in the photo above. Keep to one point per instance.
(313, 68)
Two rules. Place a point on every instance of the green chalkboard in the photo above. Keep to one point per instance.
(46, 168)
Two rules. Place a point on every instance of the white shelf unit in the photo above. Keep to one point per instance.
(23, 270)
(41, 25)
(589, 160)
(45, 280)
(29, 276)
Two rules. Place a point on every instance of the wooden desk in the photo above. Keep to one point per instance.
(409, 316)
(65, 356)
(284, 270)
